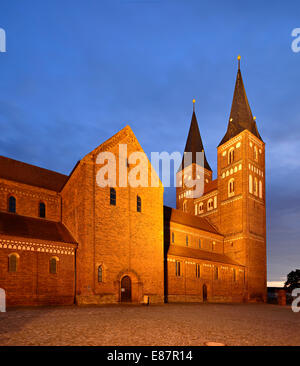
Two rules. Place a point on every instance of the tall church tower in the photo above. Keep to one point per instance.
(190, 168)
(241, 193)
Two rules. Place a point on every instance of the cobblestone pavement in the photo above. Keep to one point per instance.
(156, 325)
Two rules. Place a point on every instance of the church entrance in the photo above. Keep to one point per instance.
(126, 289)
(204, 291)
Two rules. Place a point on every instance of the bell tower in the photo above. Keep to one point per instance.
(192, 167)
(241, 186)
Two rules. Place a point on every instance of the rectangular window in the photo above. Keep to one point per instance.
(200, 244)
(113, 196)
(216, 273)
(173, 237)
(187, 241)
(234, 274)
(178, 269)
(198, 270)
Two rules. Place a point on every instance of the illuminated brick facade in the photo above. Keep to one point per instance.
(96, 245)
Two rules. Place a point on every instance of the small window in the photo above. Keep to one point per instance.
(100, 274)
(200, 244)
(53, 265)
(255, 186)
(200, 207)
(260, 189)
(177, 268)
(13, 262)
(139, 204)
(12, 204)
(187, 240)
(216, 273)
(255, 153)
(231, 188)
(231, 156)
(184, 206)
(250, 184)
(42, 210)
(198, 270)
(234, 274)
(173, 237)
(113, 197)
(210, 204)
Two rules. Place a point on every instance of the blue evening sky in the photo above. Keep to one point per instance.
(76, 72)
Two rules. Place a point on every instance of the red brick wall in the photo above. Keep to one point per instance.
(33, 284)
(188, 287)
(28, 199)
(122, 240)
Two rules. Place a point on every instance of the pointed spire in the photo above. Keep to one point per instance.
(194, 142)
(240, 115)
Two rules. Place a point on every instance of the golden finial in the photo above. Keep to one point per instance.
(254, 118)
(194, 101)
(231, 119)
(239, 60)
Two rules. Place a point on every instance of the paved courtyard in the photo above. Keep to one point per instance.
(156, 325)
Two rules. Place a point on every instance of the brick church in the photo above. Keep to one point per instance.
(65, 240)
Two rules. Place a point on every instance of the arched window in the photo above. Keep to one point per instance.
(255, 153)
(250, 184)
(231, 156)
(12, 204)
(42, 210)
(184, 206)
(260, 189)
(200, 207)
(113, 197)
(138, 204)
(231, 188)
(210, 204)
(13, 261)
(100, 274)
(255, 186)
(53, 265)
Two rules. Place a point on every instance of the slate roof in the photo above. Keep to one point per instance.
(240, 115)
(194, 143)
(35, 228)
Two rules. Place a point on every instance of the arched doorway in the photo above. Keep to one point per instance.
(204, 292)
(126, 289)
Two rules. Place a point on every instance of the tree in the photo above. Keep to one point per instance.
(293, 280)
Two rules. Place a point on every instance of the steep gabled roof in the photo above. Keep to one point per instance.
(18, 171)
(180, 217)
(35, 228)
(240, 115)
(194, 142)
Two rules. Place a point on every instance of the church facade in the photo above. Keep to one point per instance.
(65, 240)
